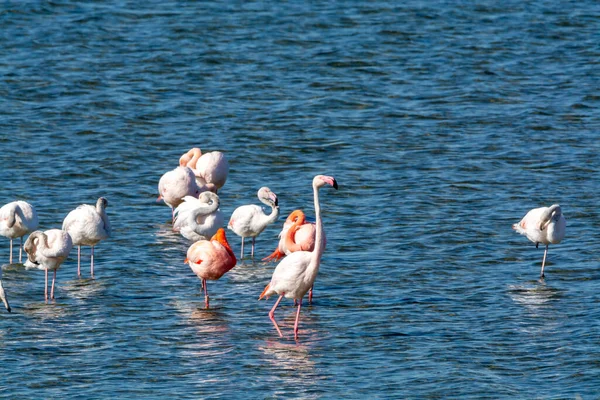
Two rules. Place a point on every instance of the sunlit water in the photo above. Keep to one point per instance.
(443, 122)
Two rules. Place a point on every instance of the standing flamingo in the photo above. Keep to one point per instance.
(175, 185)
(3, 294)
(17, 219)
(296, 273)
(198, 219)
(87, 225)
(47, 250)
(210, 260)
(543, 225)
(250, 220)
(211, 169)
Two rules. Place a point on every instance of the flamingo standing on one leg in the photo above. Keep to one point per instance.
(211, 169)
(296, 273)
(17, 219)
(543, 225)
(210, 260)
(47, 250)
(198, 219)
(87, 225)
(250, 220)
(3, 294)
(175, 185)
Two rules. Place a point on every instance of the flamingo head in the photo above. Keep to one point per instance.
(101, 203)
(321, 180)
(296, 216)
(268, 197)
(209, 198)
(553, 213)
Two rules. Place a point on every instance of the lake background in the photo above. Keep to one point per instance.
(443, 122)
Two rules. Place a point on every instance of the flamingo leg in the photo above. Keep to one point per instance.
(272, 314)
(297, 319)
(46, 286)
(53, 280)
(205, 287)
(544, 262)
(78, 260)
(92, 268)
(253, 240)
(21, 249)
(10, 258)
(242, 255)
(310, 293)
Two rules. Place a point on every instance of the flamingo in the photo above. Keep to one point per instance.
(47, 250)
(250, 220)
(17, 219)
(211, 169)
(296, 273)
(175, 185)
(543, 225)
(198, 219)
(87, 225)
(210, 260)
(3, 294)
(302, 239)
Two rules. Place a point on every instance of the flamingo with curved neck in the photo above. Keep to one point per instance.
(297, 272)
(47, 250)
(250, 220)
(210, 169)
(198, 219)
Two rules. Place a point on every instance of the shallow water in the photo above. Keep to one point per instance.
(443, 123)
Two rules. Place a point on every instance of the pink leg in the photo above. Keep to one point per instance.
(242, 255)
(297, 319)
(21, 249)
(46, 287)
(53, 279)
(10, 258)
(205, 292)
(78, 260)
(310, 292)
(272, 314)
(544, 261)
(92, 269)
(252, 253)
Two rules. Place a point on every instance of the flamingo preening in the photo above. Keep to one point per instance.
(17, 219)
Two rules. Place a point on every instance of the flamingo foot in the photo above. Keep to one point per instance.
(274, 256)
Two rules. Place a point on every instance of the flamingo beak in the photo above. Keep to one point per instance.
(273, 197)
(3, 297)
(335, 185)
(186, 260)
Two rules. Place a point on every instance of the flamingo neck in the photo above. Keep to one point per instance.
(272, 217)
(102, 212)
(290, 243)
(12, 217)
(202, 211)
(319, 242)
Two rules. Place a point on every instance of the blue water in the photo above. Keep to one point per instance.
(443, 122)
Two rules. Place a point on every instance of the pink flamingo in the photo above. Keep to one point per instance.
(87, 225)
(250, 220)
(175, 185)
(17, 219)
(543, 225)
(211, 169)
(47, 250)
(210, 260)
(296, 273)
(302, 239)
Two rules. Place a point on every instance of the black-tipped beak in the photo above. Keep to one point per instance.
(335, 185)
(276, 202)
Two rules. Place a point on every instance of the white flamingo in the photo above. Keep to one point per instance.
(47, 250)
(250, 220)
(17, 219)
(175, 185)
(198, 218)
(3, 294)
(211, 169)
(87, 226)
(296, 273)
(543, 225)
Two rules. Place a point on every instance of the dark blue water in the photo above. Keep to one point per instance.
(444, 122)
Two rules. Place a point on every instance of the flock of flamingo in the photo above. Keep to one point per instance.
(190, 190)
